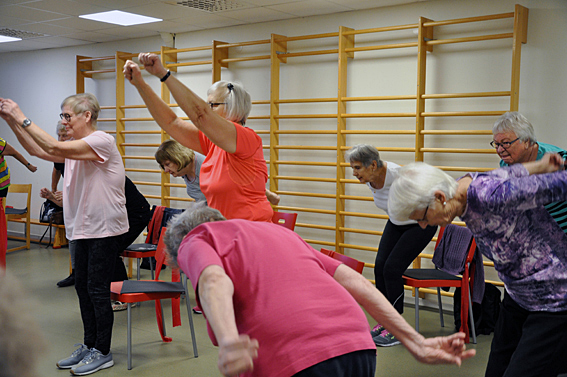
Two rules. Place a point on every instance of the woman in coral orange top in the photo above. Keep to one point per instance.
(234, 173)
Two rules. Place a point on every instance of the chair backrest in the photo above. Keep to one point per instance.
(327, 252)
(17, 188)
(355, 264)
(451, 258)
(160, 253)
(285, 219)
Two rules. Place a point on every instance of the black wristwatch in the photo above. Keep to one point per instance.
(26, 123)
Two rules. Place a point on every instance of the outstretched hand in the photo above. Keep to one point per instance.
(10, 111)
(132, 73)
(152, 64)
(32, 168)
(237, 356)
(444, 350)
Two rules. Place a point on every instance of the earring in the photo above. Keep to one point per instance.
(444, 203)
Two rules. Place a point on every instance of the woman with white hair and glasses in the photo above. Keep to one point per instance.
(95, 214)
(504, 209)
(401, 241)
(234, 173)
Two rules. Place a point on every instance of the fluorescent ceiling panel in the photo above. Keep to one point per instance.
(8, 39)
(120, 18)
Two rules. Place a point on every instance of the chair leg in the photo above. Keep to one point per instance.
(162, 319)
(190, 313)
(138, 270)
(129, 335)
(471, 319)
(440, 307)
(152, 267)
(417, 309)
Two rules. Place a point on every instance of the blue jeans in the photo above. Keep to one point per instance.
(94, 265)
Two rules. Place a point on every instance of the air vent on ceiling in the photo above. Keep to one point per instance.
(20, 34)
(211, 5)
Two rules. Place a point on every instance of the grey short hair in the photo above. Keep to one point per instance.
(415, 187)
(517, 123)
(237, 99)
(365, 154)
(60, 127)
(182, 224)
(82, 102)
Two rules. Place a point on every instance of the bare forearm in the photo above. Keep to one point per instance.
(28, 143)
(55, 177)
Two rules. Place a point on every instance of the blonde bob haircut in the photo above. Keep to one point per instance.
(236, 99)
(172, 151)
(82, 102)
(415, 188)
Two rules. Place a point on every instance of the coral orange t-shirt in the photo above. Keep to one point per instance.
(235, 183)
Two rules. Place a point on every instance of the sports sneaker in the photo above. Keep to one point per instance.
(377, 330)
(385, 339)
(196, 310)
(75, 357)
(92, 362)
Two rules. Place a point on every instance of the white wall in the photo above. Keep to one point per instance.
(39, 80)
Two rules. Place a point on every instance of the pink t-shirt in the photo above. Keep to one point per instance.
(284, 294)
(93, 192)
(235, 183)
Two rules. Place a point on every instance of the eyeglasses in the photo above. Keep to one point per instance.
(424, 215)
(68, 116)
(504, 145)
(215, 104)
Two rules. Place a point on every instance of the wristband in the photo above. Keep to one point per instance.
(28, 164)
(166, 76)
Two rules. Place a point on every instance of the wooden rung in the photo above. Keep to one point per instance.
(456, 132)
(306, 163)
(304, 147)
(462, 113)
(189, 49)
(100, 71)
(306, 116)
(309, 53)
(246, 59)
(188, 64)
(307, 37)
(378, 115)
(378, 132)
(139, 119)
(304, 209)
(457, 150)
(316, 226)
(146, 183)
(354, 197)
(306, 132)
(307, 194)
(309, 179)
(362, 231)
(358, 247)
(466, 95)
(143, 170)
(367, 215)
(84, 60)
(138, 158)
(243, 44)
(178, 198)
(140, 132)
(463, 168)
(381, 29)
(382, 47)
(469, 19)
(152, 145)
(380, 98)
(306, 100)
(470, 39)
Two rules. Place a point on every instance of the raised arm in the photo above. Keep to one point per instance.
(236, 352)
(184, 132)
(439, 350)
(39, 142)
(219, 130)
(11, 151)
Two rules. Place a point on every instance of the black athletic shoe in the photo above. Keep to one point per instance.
(68, 281)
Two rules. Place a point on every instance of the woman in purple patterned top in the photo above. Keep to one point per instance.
(505, 211)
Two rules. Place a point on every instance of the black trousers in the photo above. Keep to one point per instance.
(354, 364)
(94, 265)
(528, 344)
(399, 246)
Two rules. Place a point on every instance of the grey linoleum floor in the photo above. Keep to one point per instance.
(57, 312)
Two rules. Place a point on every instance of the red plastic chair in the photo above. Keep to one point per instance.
(150, 290)
(285, 219)
(355, 264)
(430, 277)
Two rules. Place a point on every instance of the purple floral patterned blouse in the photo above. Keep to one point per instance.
(505, 211)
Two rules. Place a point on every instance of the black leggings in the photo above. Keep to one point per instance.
(94, 265)
(353, 364)
(399, 246)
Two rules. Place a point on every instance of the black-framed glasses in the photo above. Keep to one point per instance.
(424, 215)
(215, 104)
(504, 145)
(65, 116)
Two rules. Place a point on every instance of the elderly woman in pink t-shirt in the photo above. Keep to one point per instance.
(234, 173)
(95, 214)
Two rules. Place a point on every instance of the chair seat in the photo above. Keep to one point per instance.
(15, 211)
(117, 294)
(141, 247)
(429, 274)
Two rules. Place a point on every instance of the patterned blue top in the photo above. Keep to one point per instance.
(506, 213)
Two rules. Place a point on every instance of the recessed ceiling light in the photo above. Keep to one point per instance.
(8, 39)
(120, 18)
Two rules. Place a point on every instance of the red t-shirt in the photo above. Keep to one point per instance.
(235, 183)
(285, 295)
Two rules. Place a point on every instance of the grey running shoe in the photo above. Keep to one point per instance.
(92, 362)
(75, 357)
(377, 330)
(385, 339)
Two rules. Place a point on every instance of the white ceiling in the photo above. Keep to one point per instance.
(55, 23)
